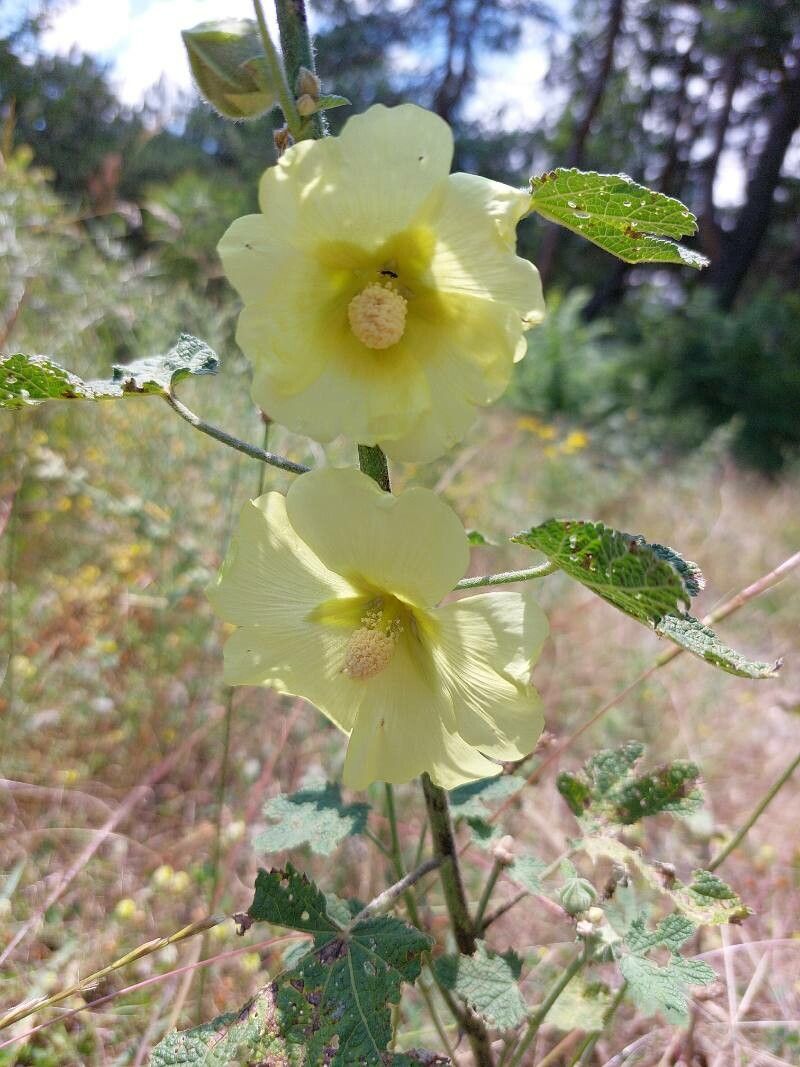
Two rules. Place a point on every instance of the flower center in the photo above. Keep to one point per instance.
(377, 316)
(371, 646)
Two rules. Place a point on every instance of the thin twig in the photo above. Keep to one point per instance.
(384, 900)
(233, 442)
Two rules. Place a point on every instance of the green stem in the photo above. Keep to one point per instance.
(587, 1047)
(396, 856)
(507, 577)
(372, 461)
(233, 442)
(540, 1014)
(262, 471)
(444, 846)
(277, 75)
(297, 51)
(491, 882)
(756, 813)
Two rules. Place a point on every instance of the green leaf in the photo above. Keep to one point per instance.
(621, 568)
(702, 642)
(475, 537)
(26, 380)
(628, 220)
(664, 990)
(255, 1034)
(326, 101)
(707, 901)
(488, 983)
(581, 1006)
(313, 816)
(342, 988)
(473, 803)
(229, 67)
(608, 792)
(526, 871)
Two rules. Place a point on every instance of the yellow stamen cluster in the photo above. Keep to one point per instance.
(377, 316)
(370, 648)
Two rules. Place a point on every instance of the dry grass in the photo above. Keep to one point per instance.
(127, 816)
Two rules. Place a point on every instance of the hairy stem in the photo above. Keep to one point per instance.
(297, 51)
(233, 442)
(755, 814)
(277, 75)
(506, 577)
(444, 846)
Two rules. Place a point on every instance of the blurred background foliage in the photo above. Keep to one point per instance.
(684, 96)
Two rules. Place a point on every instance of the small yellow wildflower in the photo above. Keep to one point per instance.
(334, 589)
(574, 442)
(383, 296)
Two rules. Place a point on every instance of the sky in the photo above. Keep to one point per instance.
(141, 40)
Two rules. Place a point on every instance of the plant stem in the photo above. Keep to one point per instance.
(233, 442)
(755, 814)
(277, 76)
(372, 461)
(401, 887)
(396, 856)
(491, 882)
(444, 846)
(587, 1047)
(262, 471)
(505, 577)
(297, 51)
(540, 1014)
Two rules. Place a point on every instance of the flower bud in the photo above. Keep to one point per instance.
(595, 915)
(306, 105)
(307, 84)
(584, 929)
(577, 895)
(503, 851)
(227, 61)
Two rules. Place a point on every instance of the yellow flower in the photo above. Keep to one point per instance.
(334, 588)
(383, 297)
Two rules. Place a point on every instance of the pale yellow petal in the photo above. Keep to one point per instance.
(467, 354)
(474, 222)
(411, 544)
(402, 730)
(483, 651)
(270, 575)
(364, 185)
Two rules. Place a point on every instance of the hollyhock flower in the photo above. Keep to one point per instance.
(383, 298)
(334, 589)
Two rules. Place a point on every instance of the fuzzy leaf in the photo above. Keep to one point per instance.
(621, 568)
(26, 380)
(608, 792)
(313, 816)
(664, 990)
(253, 1035)
(488, 983)
(707, 901)
(330, 100)
(628, 220)
(582, 1006)
(474, 801)
(526, 871)
(701, 641)
(343, 987)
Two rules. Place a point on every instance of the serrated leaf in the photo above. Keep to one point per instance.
(488, 983)
(664, 990)
(581, 1006)
(608, 792)
(624, 218)
(621, 568)
(314, 816)
(672, 932)
(255, 1034)
(26, 380)
(343, 986)
(702, 642)
(707, 901)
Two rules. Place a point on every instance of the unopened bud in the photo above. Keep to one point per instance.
(229, 67)
(307, 84)
(503, 851)
(306, 105)
(585, 929)
(595, 915)
(577, 896)
(282, 139)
